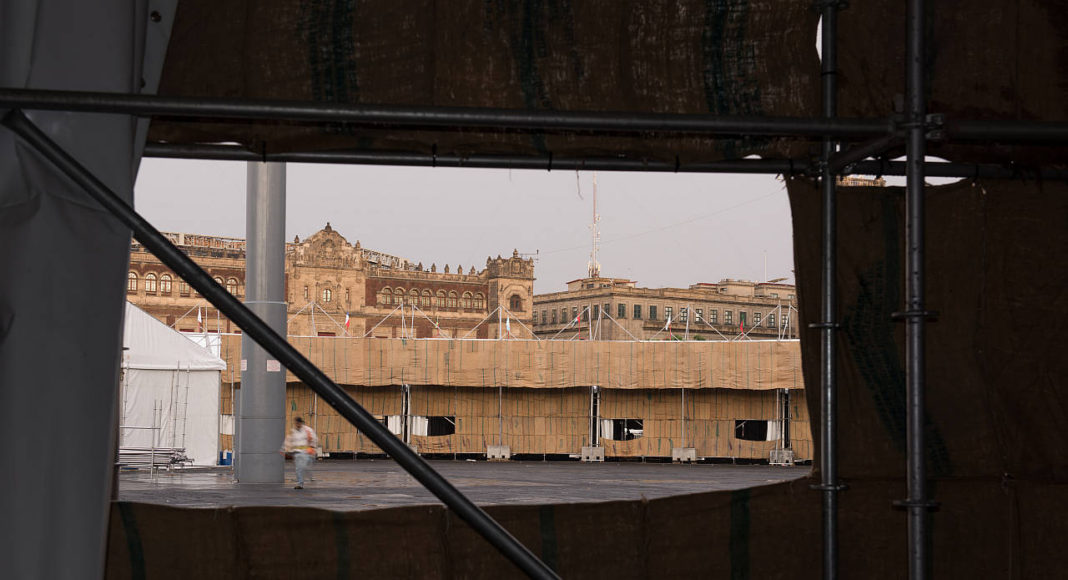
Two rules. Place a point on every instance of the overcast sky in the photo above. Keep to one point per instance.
(658, 229)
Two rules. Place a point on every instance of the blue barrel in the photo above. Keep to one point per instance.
(226, 458)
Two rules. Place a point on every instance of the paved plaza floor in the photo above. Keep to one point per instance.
(379, 483)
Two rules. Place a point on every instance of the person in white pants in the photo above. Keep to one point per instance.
(301, 443)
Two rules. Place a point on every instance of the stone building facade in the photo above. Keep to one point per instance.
(616, 309)
(327, 278)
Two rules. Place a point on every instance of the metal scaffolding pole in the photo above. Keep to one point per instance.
(276, 345)
(549, 163)
(829, 307)
(917, 503)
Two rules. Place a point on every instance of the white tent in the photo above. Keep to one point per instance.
(170, 390)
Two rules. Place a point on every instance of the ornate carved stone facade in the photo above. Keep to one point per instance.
(328, 278)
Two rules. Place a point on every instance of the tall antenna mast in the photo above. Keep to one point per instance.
(594, 266)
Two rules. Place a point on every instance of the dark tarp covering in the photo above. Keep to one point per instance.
(728, 57)
(996, 392)
(988, 59)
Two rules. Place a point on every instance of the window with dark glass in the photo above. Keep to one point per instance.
(553, 317)
(728, 317)
(684, 314)
(771, 319)
(621, 311)
(637, 312)
(652, 312)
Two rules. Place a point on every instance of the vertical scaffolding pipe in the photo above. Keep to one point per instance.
(915, 315)
(261, 416)
(829, 305)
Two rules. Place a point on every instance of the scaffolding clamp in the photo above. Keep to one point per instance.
(820, 5)
(829, 487)
(912, 314)
(903, 504)
(825, 325)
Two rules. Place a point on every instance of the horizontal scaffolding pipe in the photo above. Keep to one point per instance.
(757, 166)
(450, 117)
(277, 346)
(1049, 132)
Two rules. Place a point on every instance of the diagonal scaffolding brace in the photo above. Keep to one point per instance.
(296, 363)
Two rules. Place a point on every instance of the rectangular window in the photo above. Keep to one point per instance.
(324, 333)
(668, 313)
(596, 311)
(684, 314)
(771, 320)
(713, 316)
(637, 312)
(621, 311)
(699, 314)
(553, 316)
(544, 316)
(751, 430)
(728, 317)
(652, 312)
(574, 313)
(741, 318)
(585, 314)
(622, 429)
(440, 426)
(756, 319)
(183, 288)
(607, 309)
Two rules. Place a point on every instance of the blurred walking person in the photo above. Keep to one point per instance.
(301, 443)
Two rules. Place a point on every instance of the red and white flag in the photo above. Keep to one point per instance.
(200, 320)
(347, 323)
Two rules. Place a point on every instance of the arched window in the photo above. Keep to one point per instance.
(451, 303)
(165, 284)
(515, 303)
(425, 299)
(480, 301)
(231, 286)
(398, 295)
(219, 281)
(150, 283)
(327, 295)
(131, 282)
(386, 296)
(467, 300)
(413, 297)
(440, 299)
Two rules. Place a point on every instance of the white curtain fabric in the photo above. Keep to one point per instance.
(418, 425)
(395, 424)
(774, 431)
(606, 429)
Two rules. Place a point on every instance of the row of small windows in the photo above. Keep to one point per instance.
(164, 284)
(390, 296)
(566, 316)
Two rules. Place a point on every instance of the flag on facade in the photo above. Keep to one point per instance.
(508, 325)
(577, 316)
(200, 320)
(667, 326)
(346, 322)
(741, 326)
